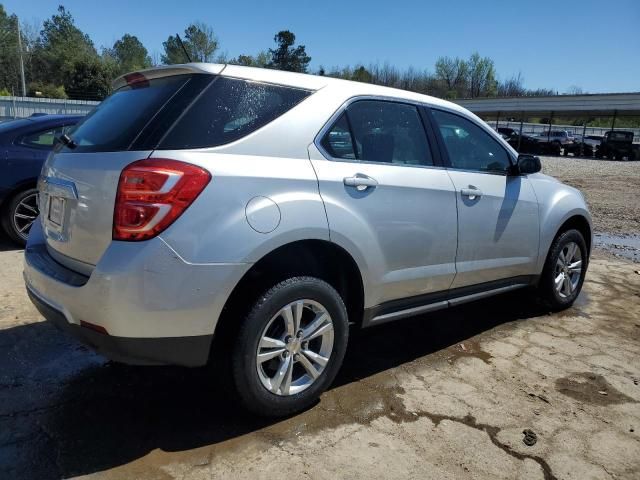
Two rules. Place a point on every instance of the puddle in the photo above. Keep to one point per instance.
(468, 348)
(626, 246)
(591, 388)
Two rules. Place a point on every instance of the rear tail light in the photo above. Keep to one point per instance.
(152, 194)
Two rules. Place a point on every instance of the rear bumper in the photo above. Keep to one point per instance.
(186, 351)
(155, 307)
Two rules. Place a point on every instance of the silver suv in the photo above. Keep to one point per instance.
(246, 217)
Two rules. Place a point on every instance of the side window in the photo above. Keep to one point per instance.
(43, 139)
(338, 140)
(379, 131)
(228, 110)
(469, 146)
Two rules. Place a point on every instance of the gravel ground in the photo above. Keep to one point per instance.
(610, 189)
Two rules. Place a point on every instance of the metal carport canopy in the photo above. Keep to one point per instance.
(593, 105)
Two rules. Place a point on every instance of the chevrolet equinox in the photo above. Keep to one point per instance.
(246, 217)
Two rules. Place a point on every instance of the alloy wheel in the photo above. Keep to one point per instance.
(295, 347)
(25, 214)
(568, 270)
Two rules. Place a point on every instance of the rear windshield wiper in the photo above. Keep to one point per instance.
(67, 141)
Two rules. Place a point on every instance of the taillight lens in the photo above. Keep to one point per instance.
(152, 194)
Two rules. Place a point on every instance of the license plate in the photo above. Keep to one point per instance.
(56, 210)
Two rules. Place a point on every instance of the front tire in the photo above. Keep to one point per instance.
(290, 347)
(564, 271)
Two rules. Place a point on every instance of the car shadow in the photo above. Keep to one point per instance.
(66, 411)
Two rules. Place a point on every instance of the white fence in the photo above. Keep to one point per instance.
(20, 107)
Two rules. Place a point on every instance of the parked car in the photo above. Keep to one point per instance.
(24, 146)
(508, 131)
(247, 217)
(553, 141)
(561, 137)
(616, 144)
(579, 146)
(593, 140)
(525, 143)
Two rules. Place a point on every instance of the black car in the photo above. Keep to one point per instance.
(525, 143)
(579, 147)
(616, 145)
(24, 146)
(508, 131)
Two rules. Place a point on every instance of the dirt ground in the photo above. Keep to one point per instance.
(443, 396)
(609, 188)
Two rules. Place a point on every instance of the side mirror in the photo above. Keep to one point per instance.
(528, 164)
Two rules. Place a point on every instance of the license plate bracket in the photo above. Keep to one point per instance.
(55, 213)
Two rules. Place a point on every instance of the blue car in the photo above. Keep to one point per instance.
(24, 146)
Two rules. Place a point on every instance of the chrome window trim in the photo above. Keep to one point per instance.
(487, 129)
(317, 141)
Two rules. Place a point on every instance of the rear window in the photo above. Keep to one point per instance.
(230, 109)
(621, 136)
(117, 121)
(183, 111)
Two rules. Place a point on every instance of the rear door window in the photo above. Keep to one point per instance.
(228, 110)
(379, 131)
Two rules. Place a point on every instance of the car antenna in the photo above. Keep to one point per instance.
(183, 47)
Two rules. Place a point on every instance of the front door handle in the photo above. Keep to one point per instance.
(361, 182)
(471, 192)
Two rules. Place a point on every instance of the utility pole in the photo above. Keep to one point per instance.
(24, 87)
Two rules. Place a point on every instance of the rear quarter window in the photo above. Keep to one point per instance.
(229, 109)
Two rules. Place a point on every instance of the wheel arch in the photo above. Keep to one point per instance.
(16, 188)
(580, 223)
(319, 258)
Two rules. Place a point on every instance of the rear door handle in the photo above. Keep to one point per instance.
(471, 192)
(361, 182)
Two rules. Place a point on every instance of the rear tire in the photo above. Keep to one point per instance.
(276, 370)
(20, 214)
(564, 270)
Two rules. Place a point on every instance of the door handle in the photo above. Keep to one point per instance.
(471, 192)
(361, 182)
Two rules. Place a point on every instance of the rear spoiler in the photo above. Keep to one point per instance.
(141, 76)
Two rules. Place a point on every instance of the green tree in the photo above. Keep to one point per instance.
(88, 79)
(39, 89)
(60, 46)
(285, 56)
(453, 73)
(260, 60)
(361, 74)
(199, 41)
(127, 54)
(9, 54)
(482, 76)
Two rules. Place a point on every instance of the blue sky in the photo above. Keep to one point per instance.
(554, 44)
